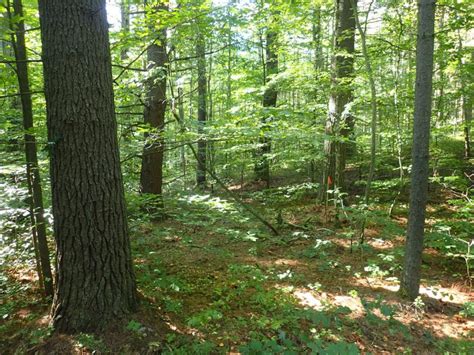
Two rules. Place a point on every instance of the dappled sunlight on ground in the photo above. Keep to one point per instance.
(289, 262)
(353, 303)
(439, 312)
(451, 295)
(210, 278)
(307, 299)
(380, 243)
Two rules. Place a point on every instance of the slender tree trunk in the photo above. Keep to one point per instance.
(211, 151)
(440, 116)
(262, 166)
(32, 169)
(191, 96)
(228, 103)
(318, 65)
(229, 68)
(125, 23)
(399, 141)
(410, 283)
(181, 119)
(95, 282)
(340, 123)
(373, 101)
(317, 38)
(151, 178)
(202, 111)
(467, 102)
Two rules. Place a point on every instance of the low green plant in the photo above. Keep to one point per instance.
(184, 345)
(287, 344)
(388, 311)
(376, 271)
(172, 305)
(90, 342)
(38, 335)
(204, 318)
(134, 326)
(319, 249)
(467, 310)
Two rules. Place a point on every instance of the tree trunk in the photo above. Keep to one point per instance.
(440, 116)
(151, 178)
(340, 123)
(32, 169)
(202, 111)
(228, 102)
(373, 101)
(95, 282)
(317, 38)
(211, 149)
(181, 119)
(229, 68)
(125, 23)
(410, 283)
(262, 166)
(467, 105)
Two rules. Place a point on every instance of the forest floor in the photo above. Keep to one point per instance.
(213, 280)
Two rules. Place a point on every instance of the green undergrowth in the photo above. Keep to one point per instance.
(213, 280)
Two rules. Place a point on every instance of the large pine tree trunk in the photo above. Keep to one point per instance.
(32, 169)
(95, 281)
(410, 283)
(270, 95)
(154, 115)
(340, 123)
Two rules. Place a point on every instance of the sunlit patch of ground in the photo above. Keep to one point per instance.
(308, 299)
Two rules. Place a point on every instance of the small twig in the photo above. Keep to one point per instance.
(20, 61)
(124, 67)
(205, 54)
(22, 93)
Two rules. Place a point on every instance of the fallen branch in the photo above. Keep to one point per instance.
(296, 226)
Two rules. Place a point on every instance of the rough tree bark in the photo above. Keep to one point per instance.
(151, 178)
(32, 169)
(340, 122)
(270, 95)
(95, 282)
(410, 283)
